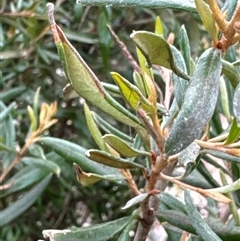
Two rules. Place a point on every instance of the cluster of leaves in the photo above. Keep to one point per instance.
(182, 128)
(28, 61)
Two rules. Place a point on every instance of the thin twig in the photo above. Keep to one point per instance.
(124, 50)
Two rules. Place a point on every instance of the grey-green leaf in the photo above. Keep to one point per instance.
(17, 208)
(138, 199)
(199, 102)
(157, 51)
(236, 104)
(74, 153)
(122, 147)
(97, 232)
(201, 227)
(186, 5)
(110, 160)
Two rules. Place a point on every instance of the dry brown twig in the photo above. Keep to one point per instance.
(45, 121)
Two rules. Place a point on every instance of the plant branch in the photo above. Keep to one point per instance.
(124, 50)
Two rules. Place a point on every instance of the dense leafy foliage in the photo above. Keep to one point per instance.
(173, 105)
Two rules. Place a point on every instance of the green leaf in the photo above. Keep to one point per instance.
(187, 5)
(222, 155)
(5, 113)
(41, 163)
(189, 155)
(83, 38)
(236, 104)
(206, 174)
(74, 153)
(107, 127)
(138, 199)
(201, 227)
(189, 158)
(87, 179)
(229, 6)
(140, 83)
(207, 18)
(22, 204)
(225, 99)
(185, 47)
(97, 232)
(199, 102)
(132, 94)
(180, 84)
(145, 70)
(84, 81)
(112, 161)
(180, 220)
(234, 132)
(122, 147)
(12, 93)
(24, 178)
(7, 128)
(156, 51)
(159, 26)
(227, 188)
(125, 233)
(95, 133)
(231, 72)
(172, 202)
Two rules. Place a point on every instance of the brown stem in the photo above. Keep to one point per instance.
(150, 206)
(124, 50)
(217, 15)
(152, 131)
(17, 159)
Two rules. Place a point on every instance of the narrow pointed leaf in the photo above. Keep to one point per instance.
(132, 94)
(24, 178)
(225, 99)
(172, 202)
(95, 133)
(83, 80)
(187, 5)
(6, 112)
(97, 232)
(107, 127)
(12, 93)
(47, 164)
(222, 155)
(236, 104)
(156, 51)
(234, 132)
(199, 102)
(159, 26)
(180, 220)
(207, 18)
(200, 225)
(112, 161)
(22, 204)
(180, 84)
(185, 47)
(138, 199)
(72, 152)
(139, 82)
(145, 69)
(122, 147)
(227, 188)
(231, 72)
(87, 179)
